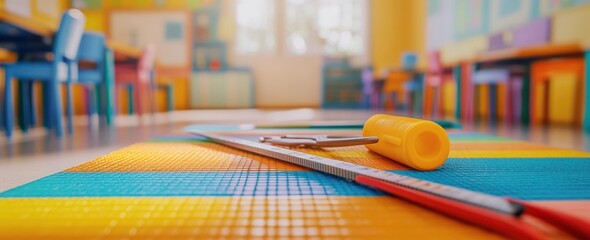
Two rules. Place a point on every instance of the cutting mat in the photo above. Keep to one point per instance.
(180, 186)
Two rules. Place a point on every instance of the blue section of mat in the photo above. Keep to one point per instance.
(107, 184)
(528, 179)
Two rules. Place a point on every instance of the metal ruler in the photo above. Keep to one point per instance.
(350, 171)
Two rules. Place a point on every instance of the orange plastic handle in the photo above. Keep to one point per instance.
(417, 143)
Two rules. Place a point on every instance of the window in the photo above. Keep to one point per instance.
(255, 26)
(327, 27)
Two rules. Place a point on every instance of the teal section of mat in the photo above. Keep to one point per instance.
(108, 184)
(528, 178)
(475, 137)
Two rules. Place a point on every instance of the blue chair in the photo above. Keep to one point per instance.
(413, 87)
(409, 60)
(62, 68)
(93, 74)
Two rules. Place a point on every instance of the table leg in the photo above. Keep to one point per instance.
(459, 92)
(467, 92)
(586, 124)
(493, 103)
(525, 113)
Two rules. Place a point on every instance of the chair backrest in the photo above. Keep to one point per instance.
(67, 39)
(367, 77)
(148, 58)
(409, 60)
(92, 47)
(146, 63)
(434, 64)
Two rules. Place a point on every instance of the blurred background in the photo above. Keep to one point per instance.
(508, 61)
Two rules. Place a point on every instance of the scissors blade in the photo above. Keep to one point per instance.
(344, 142)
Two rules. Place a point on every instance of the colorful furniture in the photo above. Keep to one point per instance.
(231, 88)
(371, 89)
(414, 93)
(395, 89)
(210, 55)
(342, 85)
(61, 69)
(214, 83)
(96, 77)
(138, 78)
(506, 87)
(168, 90)
(438, 83)
(506, 94)
(24, 36)
(547, 76)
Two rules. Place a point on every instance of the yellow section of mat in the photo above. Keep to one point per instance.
(227, 218)
(178, 156)
(205, 156)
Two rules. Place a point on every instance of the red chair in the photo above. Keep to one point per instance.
(436, 78)
(138, 77)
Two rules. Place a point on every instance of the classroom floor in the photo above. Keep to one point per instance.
(37, 154)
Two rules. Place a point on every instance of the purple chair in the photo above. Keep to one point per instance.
(512, 78)
(371, 89)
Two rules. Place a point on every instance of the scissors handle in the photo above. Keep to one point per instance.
(319, 140)
(343, 142)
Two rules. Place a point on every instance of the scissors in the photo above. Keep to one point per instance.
(318, 140)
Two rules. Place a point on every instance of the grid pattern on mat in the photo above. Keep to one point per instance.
(187, 187)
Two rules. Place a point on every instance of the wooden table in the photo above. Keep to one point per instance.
(24, 34)
(34, 27)
(28, 24)
(123, 51)
(539, 51)
(527, 55)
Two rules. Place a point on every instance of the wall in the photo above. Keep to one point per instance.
(456, 20)
(396, 26)
(98, 13)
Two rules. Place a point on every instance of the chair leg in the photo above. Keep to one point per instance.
(130, 102)
(169, 98)
(109, 86)
(92, 108)
(26, 111)
(32, 112)
(138, 97)
(21, 105)
(8, 104)
(493, 103)
(24, 105)
(152, 98)
(45, 94)
(69, 107)
(56, 108)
